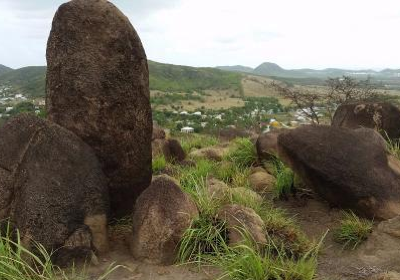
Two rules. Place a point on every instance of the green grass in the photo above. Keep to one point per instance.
(243, 153)
(284, 178)
(190, 176)
(393, 147)
(158, 164)
(196, 141)
(19, 263)
(353, 230)
(245, 262)
(226, 172)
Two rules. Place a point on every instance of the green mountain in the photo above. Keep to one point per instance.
(27, 80)
(163, 77)
(236, 68)
(269, 69)
(4, 69)
(177, 78)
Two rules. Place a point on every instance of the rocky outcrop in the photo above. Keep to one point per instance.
(242, 221)
(158, 133)
(52, 188)
(162, 214)
(98, 87)
(381, 116)
(344, 167)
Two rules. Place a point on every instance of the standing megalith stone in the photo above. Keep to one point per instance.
(98, 87)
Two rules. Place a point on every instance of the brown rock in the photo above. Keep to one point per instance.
(238, 217)
(267, 145)
(242, 193)
(162, 214)
(52, 188)
(262, 182)
(344, 167)
(158, 133)
(211, 153)
(173, 151)
(380, 116)
(98, 87)
(217, 189)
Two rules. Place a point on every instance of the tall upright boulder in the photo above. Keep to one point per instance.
(349, 168)
(381, 116)
(98, 87)
(52, 188)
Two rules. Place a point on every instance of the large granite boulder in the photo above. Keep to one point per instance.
(267, 145)
(52, 187)
(381, 116)
(98, 87)
(161, 216)
(349, 168)
(173, 151)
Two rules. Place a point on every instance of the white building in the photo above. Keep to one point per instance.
(198, 113)
(184, 113)
(187, 129)
(8, 109)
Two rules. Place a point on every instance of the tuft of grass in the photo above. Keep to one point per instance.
(245, 261)
(19, 263)
(393, 147)
(196, 141)
(353, 230)
(284, 178)
(225, 172)
(158, 164)
(190, 176)
(243, 153)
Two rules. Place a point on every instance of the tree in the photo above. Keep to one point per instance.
(346, 89)
(305, 100)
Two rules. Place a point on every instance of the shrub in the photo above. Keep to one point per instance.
(353, 230)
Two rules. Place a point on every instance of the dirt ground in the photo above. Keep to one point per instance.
(379, 253)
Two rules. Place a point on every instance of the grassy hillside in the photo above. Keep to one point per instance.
(4, 69)
(28, 80)
(163, 77)
(175, 78)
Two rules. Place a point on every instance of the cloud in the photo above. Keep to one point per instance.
(292, 33)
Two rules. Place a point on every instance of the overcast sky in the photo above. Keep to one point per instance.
(293, 33)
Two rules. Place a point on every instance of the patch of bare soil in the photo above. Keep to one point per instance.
(135, 270)
(379, 253)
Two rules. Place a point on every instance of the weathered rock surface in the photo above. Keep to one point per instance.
(262, 182)
(380, 116)
(173, 151)
(211, 153)
(239, 218)
(242, 193)
(162, 214)
(386, 276)
(217, 189)
(52, 187)
(344, 167)
(98, 87)
(158, 133)
(267, 145)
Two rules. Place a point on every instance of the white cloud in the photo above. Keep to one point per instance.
(294, 34)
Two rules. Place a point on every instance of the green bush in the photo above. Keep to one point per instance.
(158, 164)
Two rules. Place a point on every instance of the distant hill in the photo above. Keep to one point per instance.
(274, 70)
(177, 78)
(236, 68)
(164, 77)
(4, 69)
(27, 80)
